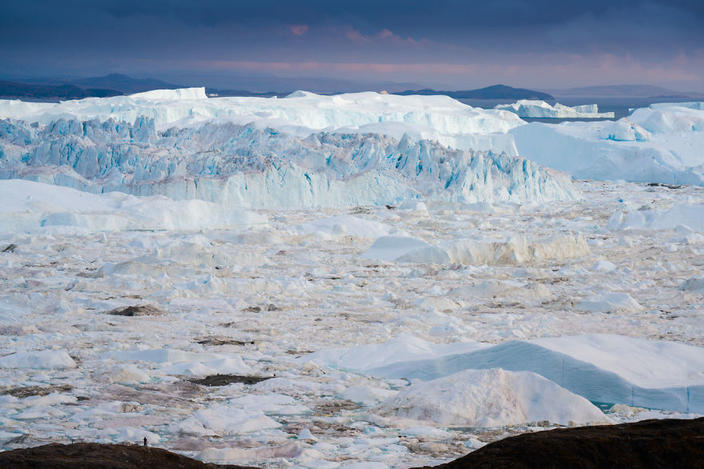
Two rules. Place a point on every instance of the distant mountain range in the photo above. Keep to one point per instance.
(124, 84)
(117, 84)
(490, 92)
(11, 89)
(114, 84)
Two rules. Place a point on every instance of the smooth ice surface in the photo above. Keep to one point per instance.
(686, 216)
(541, 109)
(403, 348)
(38, 359)
(491, 398)
(30, 206)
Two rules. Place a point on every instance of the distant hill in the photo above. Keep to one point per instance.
(125, 84)
(117, 84)
(623, 91)
(490, 92)
(114, 84)
(12, 89)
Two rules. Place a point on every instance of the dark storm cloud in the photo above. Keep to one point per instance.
(277, 36)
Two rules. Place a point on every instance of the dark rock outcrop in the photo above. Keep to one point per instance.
(643, 445)
(100, 456)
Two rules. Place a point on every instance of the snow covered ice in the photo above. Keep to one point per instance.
(385, 281)
(661, 143)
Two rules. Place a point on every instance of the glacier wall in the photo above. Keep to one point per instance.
(421, 117)
(660, 143)
(244, 165)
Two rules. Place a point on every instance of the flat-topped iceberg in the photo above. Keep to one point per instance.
(438, 118)
(540, 109)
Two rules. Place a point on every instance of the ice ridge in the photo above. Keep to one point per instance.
(243, 165)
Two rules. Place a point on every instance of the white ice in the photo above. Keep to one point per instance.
(540, 109)
(347, 250)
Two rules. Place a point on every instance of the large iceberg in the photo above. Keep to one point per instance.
(606, 369)
(661, 143)
(243, 165)
(532, 108)
(438, 118)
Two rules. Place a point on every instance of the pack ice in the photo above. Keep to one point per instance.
(144, 251)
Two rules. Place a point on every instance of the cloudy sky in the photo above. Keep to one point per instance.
(441, 43)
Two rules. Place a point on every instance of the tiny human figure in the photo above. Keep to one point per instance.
(145, 441)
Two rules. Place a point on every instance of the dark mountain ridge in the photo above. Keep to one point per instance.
(490, 92)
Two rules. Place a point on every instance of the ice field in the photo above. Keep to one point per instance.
(385, 280)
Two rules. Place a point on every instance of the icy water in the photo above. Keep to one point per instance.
(257, 302)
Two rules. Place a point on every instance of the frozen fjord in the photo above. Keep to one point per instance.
(255, 299)
(250, 291)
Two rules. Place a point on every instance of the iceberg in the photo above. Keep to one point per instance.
(515, 250)
(659, 143)
(242, 165)
(540, 109)
(438, 118)
(491, 398)
(605, 369)
(654, 144)
(690, 216)
(31, 206)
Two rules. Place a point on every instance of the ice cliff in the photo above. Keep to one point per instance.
(438, 118)
(244, 165)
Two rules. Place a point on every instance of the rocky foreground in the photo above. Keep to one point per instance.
(647, 444)
(100, 456)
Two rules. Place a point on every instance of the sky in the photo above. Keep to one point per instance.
(450, 44)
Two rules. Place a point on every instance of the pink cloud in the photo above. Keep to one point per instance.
(528, 70)
(385, 34)
(354, 35)
(298, 29)
(360, 67)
